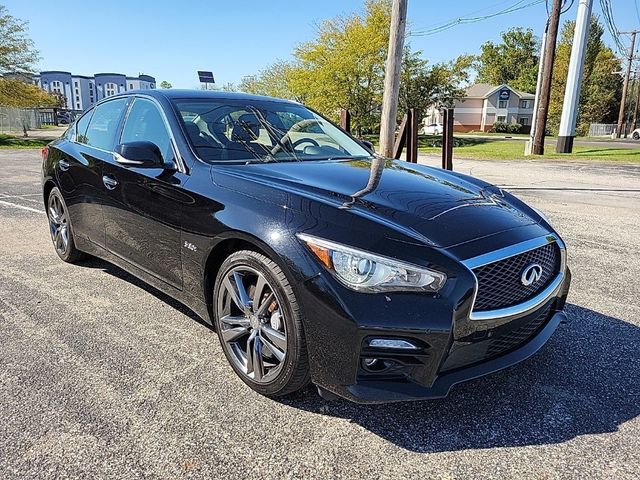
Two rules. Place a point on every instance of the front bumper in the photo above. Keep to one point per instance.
(442, 358)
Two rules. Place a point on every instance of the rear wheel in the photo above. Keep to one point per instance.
(259, 324)
(60, 228)
(635, 135)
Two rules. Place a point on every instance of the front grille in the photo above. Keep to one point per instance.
(499, 283)
(498, 341)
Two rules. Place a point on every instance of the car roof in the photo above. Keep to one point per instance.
(176, 94)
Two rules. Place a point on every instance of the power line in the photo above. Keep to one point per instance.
(607, 13)
(464, 21)
(637, 11)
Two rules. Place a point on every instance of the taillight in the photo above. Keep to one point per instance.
(44, 152)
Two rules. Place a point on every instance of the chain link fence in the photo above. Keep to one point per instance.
(17, 120)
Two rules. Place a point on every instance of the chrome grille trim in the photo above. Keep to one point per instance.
(510, 251)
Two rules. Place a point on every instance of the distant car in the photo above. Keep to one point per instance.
(636, 134)
(316, 260)
(433, 129)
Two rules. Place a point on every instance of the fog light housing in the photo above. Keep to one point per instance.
(391, 343)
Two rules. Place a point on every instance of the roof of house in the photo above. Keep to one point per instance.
(483, 90)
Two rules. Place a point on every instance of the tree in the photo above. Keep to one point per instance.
(514, 61)
(165, 84)
(601, 89)
(273, 81)
(17, 51)
(343, 68)
(422, 86)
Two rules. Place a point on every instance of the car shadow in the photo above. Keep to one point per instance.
(586, 380)
(111, 269)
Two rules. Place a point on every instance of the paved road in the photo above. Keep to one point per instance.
(104, 377)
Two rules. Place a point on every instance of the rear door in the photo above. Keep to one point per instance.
(143, 211)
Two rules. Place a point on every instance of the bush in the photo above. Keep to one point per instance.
(504, 127)
(514, 128)
(499, 127)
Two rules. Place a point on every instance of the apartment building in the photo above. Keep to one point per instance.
(80, 91)
(484, 104)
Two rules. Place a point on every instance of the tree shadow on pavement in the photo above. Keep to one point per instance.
(586, 380)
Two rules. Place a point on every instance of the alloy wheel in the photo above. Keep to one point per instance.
(251, 323)
(58, 224)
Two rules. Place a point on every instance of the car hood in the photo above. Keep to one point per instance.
(431, 205)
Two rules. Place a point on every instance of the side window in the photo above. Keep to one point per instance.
(104, 124)
(81, 127)
(145, 123)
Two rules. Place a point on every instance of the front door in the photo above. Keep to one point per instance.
(144, 206)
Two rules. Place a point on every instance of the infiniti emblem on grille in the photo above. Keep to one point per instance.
(531, 274)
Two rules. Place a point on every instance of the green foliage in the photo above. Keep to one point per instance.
(343, 67)
(499, 127)
(273, 81)
(165, 84)
(601, 89)
(15, 93)
(17, 51)
(514, 61)
(422, 86)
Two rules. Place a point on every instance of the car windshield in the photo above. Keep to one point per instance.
(222, 130)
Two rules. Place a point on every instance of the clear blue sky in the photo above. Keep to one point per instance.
(172, 39)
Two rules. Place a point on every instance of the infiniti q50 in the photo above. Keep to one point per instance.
(315, 260)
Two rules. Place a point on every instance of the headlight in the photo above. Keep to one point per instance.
(366, 272)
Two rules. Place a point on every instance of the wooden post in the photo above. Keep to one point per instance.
(412, 136)
(345, 120)
(447, 139)
(401, 139)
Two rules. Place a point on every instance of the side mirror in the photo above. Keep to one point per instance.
(139, 154)
(367, 144)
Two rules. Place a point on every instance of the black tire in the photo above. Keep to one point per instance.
(635, 135)
(293, 373)
(67, 251)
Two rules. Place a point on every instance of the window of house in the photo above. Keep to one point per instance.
(525, 103)
(502, 104)
(102, 129)
(131, 86)
(76, 83)
(501, 118)
(110, 89)
(523, 121)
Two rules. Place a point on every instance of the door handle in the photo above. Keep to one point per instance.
(64, 165)
(109, 182)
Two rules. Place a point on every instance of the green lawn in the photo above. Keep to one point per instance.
(8, 141)
(490, 149)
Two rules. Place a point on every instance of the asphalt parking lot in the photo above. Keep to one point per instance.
(103, 377)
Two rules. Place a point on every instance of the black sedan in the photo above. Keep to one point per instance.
(314, 259)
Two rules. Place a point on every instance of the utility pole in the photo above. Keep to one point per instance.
(567, 130)
(532, 132)
(392, 77)
(635, 106)
(625, 85)
(545, 84)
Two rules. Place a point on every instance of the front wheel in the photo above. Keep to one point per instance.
(259, 324)
(635, 135)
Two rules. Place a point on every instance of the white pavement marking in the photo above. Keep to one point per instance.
(29, 209)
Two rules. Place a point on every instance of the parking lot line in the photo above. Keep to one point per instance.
(15, 205)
